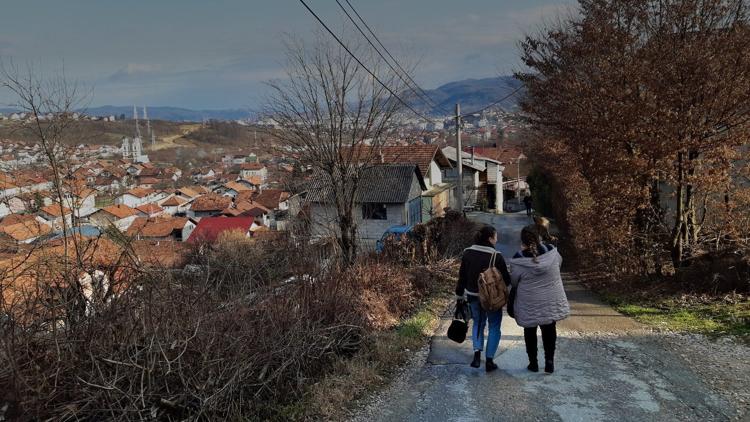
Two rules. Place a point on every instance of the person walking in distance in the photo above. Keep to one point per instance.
(540, 299)
(542, 226)
(528, 202)
(474, 261)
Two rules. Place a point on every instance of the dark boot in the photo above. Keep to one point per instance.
(549, 365)
(533, 364)
(549, 338)
(477, 362)
(490, 365)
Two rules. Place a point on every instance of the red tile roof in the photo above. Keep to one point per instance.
(25, 230)
(209, 228)
(505, 155)
(252, 166)
(149, 208)
(156, 227)
(120, 211)
(140, 192)
(270, 198)
(421, 155)
(211, 202)
(173, 201)
(236, 186)
(54, 210)
(148, 181)
(12, 219)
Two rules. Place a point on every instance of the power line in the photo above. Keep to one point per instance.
(423, 98)
(422, 94)
(494, 103)
(341, 43)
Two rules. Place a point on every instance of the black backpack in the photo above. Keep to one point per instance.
(460, 325)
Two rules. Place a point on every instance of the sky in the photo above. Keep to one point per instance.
(216, 54)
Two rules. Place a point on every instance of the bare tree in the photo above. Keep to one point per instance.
(334, 115)
(53, 106)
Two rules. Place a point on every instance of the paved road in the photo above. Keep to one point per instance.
(608, 367)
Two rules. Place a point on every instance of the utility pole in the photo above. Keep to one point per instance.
(459, 159)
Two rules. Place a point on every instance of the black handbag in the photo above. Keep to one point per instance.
(460, 325)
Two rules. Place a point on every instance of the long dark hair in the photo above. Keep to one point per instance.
(484, 235)
(530, 239)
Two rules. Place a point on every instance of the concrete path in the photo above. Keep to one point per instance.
(608, 367)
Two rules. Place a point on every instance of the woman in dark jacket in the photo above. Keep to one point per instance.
(476, 260)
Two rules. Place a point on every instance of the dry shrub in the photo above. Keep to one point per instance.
(438, 239)
(237, 261)
(725, 272)
(451, 234)
(232, 338)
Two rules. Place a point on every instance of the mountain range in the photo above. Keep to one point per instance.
(472, 94)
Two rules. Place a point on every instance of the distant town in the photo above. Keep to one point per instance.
(132, 186)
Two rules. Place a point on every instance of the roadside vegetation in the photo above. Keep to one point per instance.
(249, 329)
(666, 305)
(727, 316)
(641, 142)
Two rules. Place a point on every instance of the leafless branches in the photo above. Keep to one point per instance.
(334, 116)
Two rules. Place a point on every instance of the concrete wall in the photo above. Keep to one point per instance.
(435, 176)
(325, 222)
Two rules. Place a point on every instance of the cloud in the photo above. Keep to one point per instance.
(133, 71)
(6, 48)
(533, 16)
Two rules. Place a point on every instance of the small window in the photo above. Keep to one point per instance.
(374, 212)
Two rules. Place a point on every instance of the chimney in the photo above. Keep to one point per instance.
(472, 155)
(382, 157)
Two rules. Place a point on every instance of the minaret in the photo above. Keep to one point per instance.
(148, 127)
(125, 148)
(137, 148)
(137, 128)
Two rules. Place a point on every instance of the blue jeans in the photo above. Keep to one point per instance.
(480, 319)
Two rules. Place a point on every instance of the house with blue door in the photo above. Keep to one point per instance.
(388, 195)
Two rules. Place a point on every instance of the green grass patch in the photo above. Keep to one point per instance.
(417, 326)
(718, 316)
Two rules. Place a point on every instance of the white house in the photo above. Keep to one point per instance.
(254, 170)
(121, 216)
(482, 178)
(139, 196)
(389, 195)
(82, 202)
(174, 204)
(54, 216)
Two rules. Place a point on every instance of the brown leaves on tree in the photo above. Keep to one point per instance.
(642, 109)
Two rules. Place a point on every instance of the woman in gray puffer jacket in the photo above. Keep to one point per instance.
(540, 298)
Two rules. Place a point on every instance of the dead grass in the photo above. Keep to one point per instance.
(375, 365)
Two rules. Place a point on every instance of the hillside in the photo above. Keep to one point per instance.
(474, 94)
(175, 114)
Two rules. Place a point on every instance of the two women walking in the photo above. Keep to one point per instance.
(540, 300)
